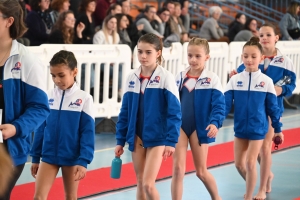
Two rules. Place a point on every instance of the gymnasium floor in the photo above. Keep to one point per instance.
(286, 167)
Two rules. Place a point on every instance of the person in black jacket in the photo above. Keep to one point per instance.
(63, 30)
(236, 26)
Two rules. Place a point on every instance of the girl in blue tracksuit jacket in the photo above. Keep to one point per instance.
(276, 66)
(23, 99)
(150, 116)
(66, 139)
(254, 98)
(203, 112)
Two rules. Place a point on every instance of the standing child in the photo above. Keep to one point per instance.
(255, 99)
(203, 112)
(276, 66)
(66, 139)
(150, 116)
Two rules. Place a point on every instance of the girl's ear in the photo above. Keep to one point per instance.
(10, 21)
(207, 57)
(75, 71)
(158, 54)
(276, 38)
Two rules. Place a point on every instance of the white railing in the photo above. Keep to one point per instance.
(107, 61)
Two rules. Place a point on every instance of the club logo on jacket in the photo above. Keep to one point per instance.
(205, 81)
(17, 67)
(131, 84)
(155, 80)
(50, 101)
(177, 82)
(76, 104)
(260, 85)
(279, 60)
(239, 84)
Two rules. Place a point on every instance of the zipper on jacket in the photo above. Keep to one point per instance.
(58, 119)
(247, 117)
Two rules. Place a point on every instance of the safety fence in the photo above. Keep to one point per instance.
(102, 69)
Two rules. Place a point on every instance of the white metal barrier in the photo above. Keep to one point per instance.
(108, 60)
(172, 58)
(235, 54)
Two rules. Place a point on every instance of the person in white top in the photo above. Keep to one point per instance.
(108, 34)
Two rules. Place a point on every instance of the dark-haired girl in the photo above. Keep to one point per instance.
(254, 98)
(66, 139)
(150, 116)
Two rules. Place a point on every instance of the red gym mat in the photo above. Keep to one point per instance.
(99, 181)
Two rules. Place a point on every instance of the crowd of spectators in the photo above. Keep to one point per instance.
(110, 22)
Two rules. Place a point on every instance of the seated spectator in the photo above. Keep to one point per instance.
(289, 25)
(210, 29)
(151, 22)
(236, 26)
(39, 22)
(63, 29)
(87, 8)
(179, 28)
(250, 30)
(108, 34)
(164, 15)
(122, 23)
(114, 9)
(58, 6)
(101, 8)
(185, 16)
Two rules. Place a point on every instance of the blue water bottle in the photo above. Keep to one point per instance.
(116, 166)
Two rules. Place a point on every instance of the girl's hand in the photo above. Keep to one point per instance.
(233, 72)
(119, 150)
(280, 135)
(278, 90)
(168, 152)
(8, 131)
(34, 169)
(213, 131)
(80, 172)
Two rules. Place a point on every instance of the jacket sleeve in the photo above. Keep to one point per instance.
(288, 89)
(87, 133)
(37, 145)
(99, 38)
(34, 98)
(122, 124)
(217, 115)
(174, 111)
(229, 96)
(240, 68)
(272, 108)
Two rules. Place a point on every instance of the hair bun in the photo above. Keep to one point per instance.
(254, 39)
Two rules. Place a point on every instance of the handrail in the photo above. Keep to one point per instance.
(265, 7)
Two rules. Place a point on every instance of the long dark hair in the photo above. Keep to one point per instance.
(68, 34)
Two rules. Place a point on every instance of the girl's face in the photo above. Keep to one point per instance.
(251, 58)
(117, 10)
(123, 22)
(112, 24)
(267, 37)
(44, 5)
(63, 76)
(70, 20)
(197, 57)
(65, 6)
(147, 54)
(91, 7)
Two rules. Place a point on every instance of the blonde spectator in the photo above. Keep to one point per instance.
(210, 29)
(108, 34)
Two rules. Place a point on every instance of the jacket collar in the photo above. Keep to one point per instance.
(253, 74)
(14, 48)
(203, 74)
(68, 92)
(156, 72)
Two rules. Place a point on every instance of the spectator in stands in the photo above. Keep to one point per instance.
(250, 30)
(114, 9)
(108, 34)
(290, 25)
(87, 8)
(63, 29)
(185, 16)
(210, 29)
(58, 6)
(179, 28)
(164, 15)
(74, 6)
(170, 6)
(236, 26)
(101, 9)
(152, 23)
(39, 22)
(122, 23)
(134, 31)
